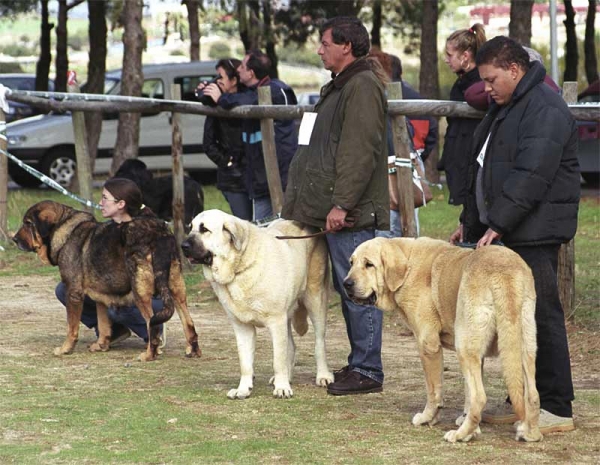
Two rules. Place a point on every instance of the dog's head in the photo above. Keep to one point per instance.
(217, 241)
(134, 170)
(378, 268)
(39, 223)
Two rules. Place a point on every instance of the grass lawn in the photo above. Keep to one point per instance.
(109, 408)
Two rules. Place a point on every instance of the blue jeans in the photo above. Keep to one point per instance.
(395, 226)
(240, 204)
(262, 208)
(130, 317)
(364, 323)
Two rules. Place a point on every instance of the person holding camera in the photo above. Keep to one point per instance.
(253, 72)
(223, 139)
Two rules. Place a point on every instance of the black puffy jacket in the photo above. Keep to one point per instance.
(531, 176)
(458, 140)
(223, 145)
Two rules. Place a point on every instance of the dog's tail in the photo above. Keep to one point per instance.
(517, 341)
(162, 259)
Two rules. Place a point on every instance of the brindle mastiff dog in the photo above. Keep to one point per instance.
(114, 264)
(477, 302)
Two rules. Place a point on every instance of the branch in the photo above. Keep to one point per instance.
(74, 4)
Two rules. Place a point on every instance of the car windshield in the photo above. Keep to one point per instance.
(109, 84)
(22, 83)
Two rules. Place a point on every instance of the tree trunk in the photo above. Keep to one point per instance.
(62, 60)
(376, 30)
(589, 44)
(42, 69)
(429, 85)
(571, 53)
(192, 9)
(128, 132)
(270, 40)
(519, 27)
(249, 24)
(97, 31)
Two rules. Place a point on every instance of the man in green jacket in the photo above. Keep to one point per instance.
(338, 181)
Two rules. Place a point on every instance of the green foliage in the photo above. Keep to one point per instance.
(18, 50)
(219, 50)
(300, 54)
(10, 67)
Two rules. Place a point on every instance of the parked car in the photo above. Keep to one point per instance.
(589, 138)
(46, 142)
(21, 81)
(308, 98)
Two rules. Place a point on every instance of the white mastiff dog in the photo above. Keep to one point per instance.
(262, 281)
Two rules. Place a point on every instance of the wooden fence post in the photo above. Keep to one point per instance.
(566, 256)
(84, 170)
(178, 190)
(404, 176)
(267, 130)
(3, 179)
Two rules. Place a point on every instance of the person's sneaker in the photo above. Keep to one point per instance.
(340, 374)
(119, 334)
(550, 423)
(500, 415)
(354, 383)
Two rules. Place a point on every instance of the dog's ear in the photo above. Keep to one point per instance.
(395, 254)
(237, 231)
(46, 219)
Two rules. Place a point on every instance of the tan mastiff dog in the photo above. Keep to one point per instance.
(477, 302)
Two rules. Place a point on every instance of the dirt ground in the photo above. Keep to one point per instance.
(28, 305)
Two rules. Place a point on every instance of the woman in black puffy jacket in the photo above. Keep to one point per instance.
(461, 48)
(223, 141)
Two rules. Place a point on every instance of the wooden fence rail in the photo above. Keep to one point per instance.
(398, 109)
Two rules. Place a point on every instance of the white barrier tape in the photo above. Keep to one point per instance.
(403, 162)
(3, 102)
(50, 182)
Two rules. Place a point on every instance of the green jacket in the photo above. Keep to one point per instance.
(345, 163)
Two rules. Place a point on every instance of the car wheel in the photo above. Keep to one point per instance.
(60, 166)
(22, 177)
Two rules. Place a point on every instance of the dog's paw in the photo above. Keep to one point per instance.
(62, 351)
(324, 379)
(527, 435)
(283, 392)
(239, 393)
(97, 347)
(458, 435)
(193, 352)
(147, 357)
(422, 419)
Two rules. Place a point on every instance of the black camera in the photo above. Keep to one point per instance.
(206, 99)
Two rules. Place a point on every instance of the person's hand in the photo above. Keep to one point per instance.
(336, 219)
(457, 236)
(213, 91)
(489, 237)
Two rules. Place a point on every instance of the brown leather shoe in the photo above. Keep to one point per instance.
(340, 374)
(354, 383)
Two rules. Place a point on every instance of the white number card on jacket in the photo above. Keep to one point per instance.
(481, 156)
(306, 127)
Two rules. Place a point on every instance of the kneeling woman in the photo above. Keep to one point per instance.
(121, 201)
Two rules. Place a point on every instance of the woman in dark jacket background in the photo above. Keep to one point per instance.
(461, 48)
(223, 142)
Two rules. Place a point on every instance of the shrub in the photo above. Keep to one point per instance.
(219, 50)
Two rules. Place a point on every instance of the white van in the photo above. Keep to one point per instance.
(46, 142)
